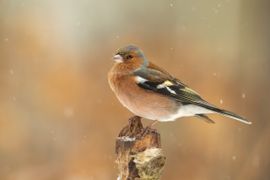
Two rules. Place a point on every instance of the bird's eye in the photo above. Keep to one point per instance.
(129, 57)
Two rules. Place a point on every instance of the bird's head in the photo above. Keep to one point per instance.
(128, 54)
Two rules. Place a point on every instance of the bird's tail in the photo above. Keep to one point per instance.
(233, 116)
(226, 113)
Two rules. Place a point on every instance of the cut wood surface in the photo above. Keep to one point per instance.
(139, 153)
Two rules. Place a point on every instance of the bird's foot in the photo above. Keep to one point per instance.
(149, 129)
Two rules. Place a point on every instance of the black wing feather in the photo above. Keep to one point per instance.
(181, 93)
(167, 85)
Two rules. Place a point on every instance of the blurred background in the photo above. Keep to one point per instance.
(59, 118)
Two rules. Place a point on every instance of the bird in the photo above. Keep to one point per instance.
(150, 92)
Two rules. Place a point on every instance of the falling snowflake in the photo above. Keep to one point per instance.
(221, 101)
(215, 10)
(183, 27)
(14, 98)
(78, 23)
(68, 112)
(11, 72)
(219, 49)
(243, 95)
(193, 8)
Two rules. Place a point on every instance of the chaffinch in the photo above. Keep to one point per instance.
(152, 93)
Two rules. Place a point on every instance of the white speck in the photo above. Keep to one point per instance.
(234, 157)
(6, 39)
(243, 95)
(84, 138)
(203, 18)
(193, 8)
(22, 4)
(11, 72)
(14, 98)
(219, 49)
(99, 101)
(117, 37)
(78, 23)
(215, 10)
(256, 161)
(68, 112)
(171, 48)
(214, 74)
(171, 4)
(183, 28)
(209, 26)
(221, 101)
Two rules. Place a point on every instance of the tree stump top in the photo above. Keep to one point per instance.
(139, 153)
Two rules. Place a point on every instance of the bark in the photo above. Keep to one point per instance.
(139, 153)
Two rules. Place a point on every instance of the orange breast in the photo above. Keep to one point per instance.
(141, 102)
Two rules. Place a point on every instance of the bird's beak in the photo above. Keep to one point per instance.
(118, 58)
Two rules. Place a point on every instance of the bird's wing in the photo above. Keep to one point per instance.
(159, 81)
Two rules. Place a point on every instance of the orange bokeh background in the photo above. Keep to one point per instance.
(59, 118)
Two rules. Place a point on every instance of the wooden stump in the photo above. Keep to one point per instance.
(139, 153)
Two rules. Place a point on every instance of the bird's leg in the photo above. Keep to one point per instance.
(153, 123)
(149, 127)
